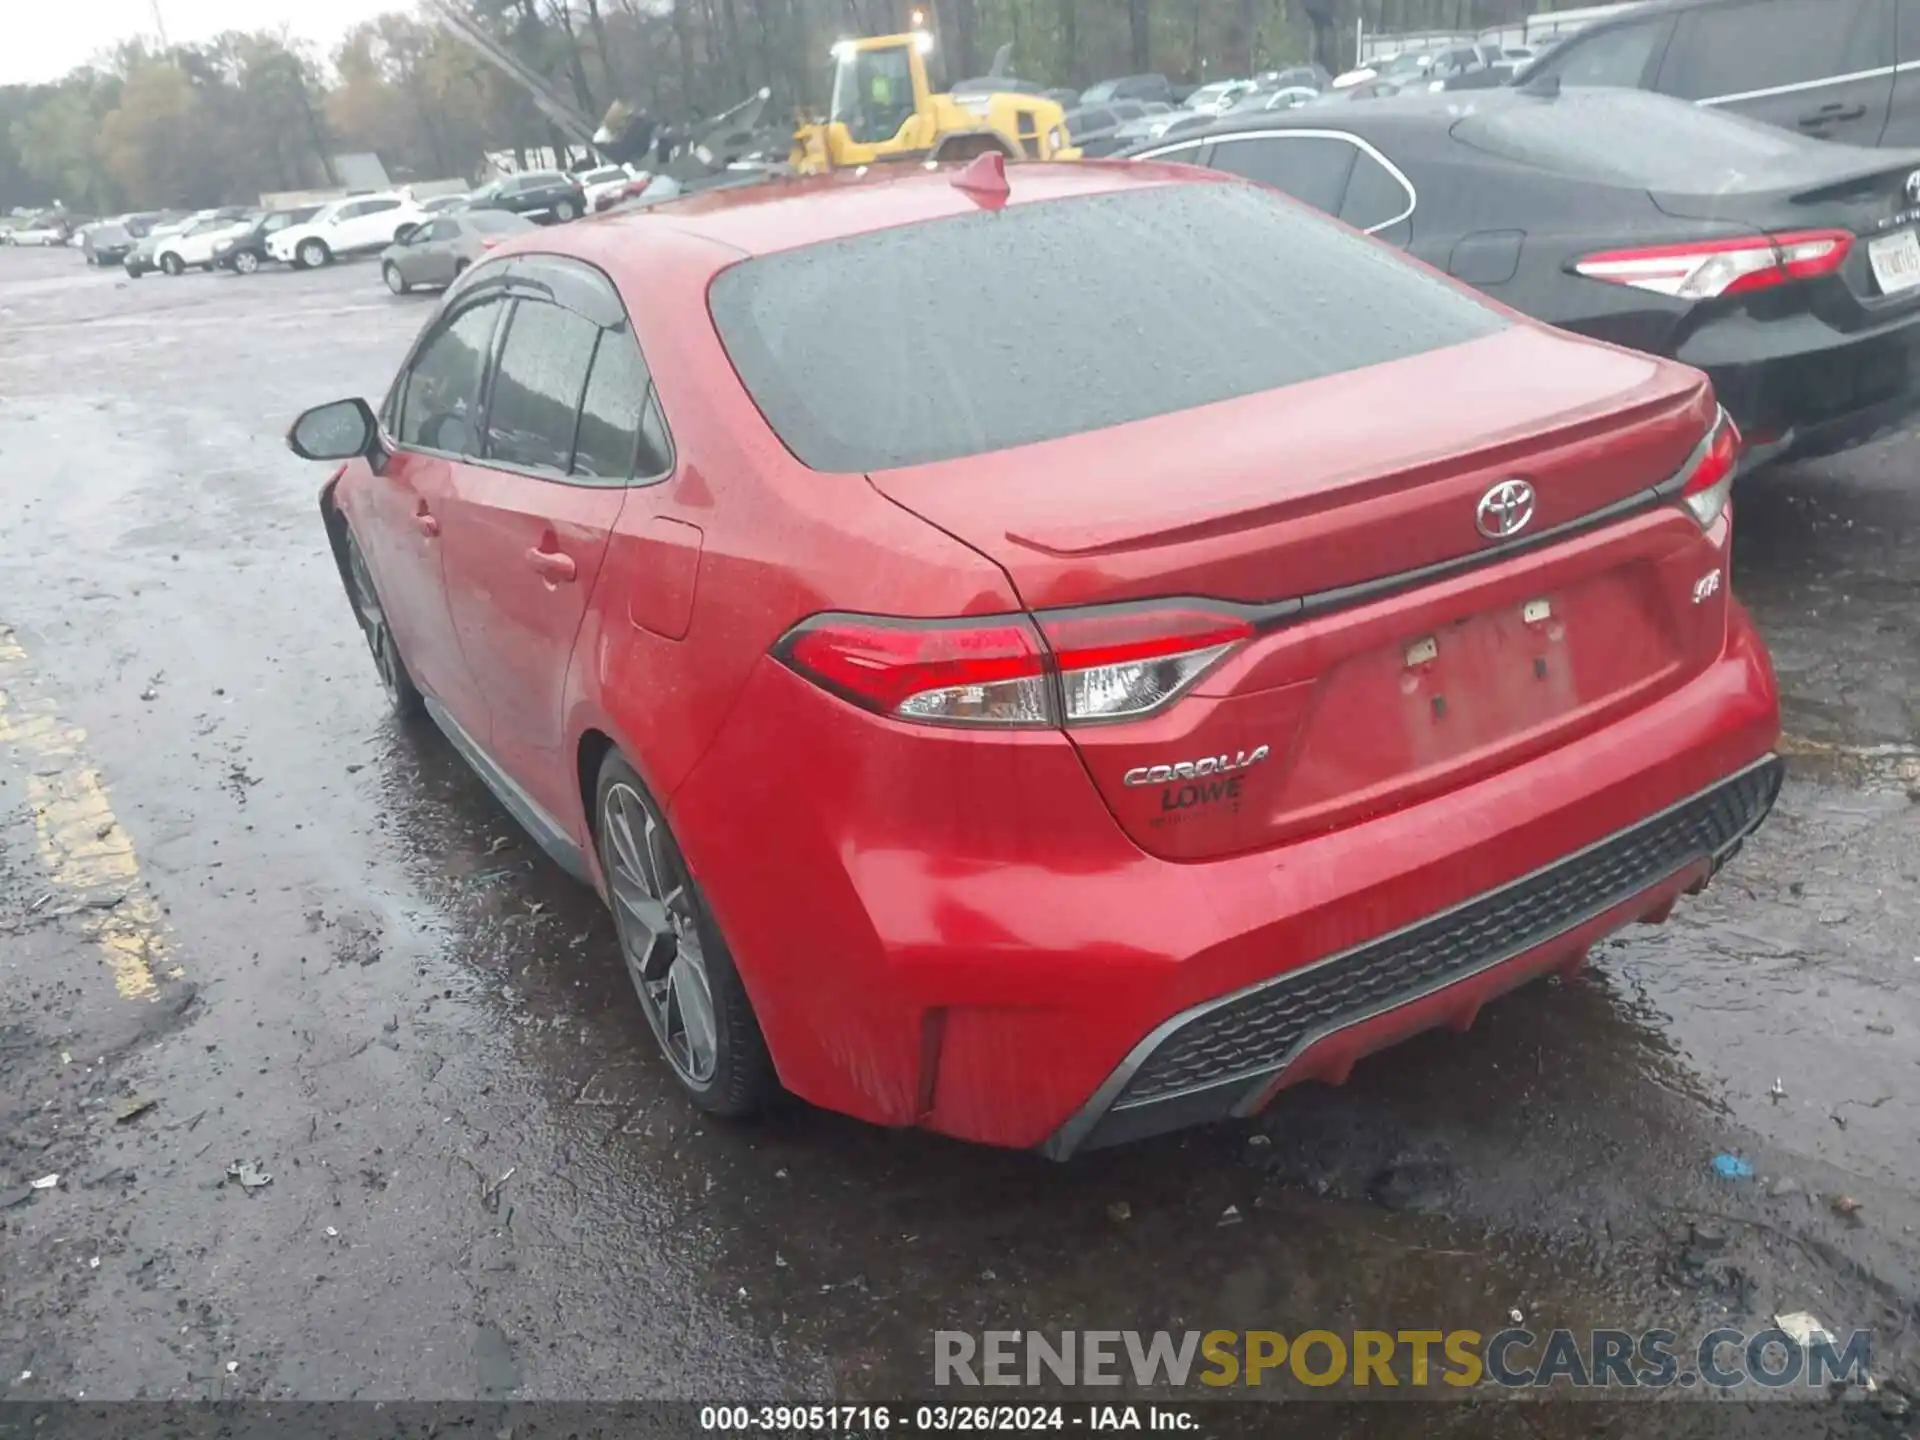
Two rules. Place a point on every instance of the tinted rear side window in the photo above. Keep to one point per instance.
(610, 416)
(496, 222)
(961, 336)
(1310, 168)
(1734, 49)
(1374, 196)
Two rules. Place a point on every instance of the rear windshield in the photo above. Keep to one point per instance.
(496, 222)
(1645, 141)
(985, 331)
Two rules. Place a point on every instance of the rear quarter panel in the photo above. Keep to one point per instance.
(776, 542)
(1472, 206)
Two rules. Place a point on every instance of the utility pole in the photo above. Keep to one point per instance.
(160, 24)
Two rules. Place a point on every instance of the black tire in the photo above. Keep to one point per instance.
(565, 211)
(396, 282)
(738, 1079)
(246, 262)
(311, 254)
(402, 694)
(172, 264)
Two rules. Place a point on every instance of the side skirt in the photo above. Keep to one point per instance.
(545, 830)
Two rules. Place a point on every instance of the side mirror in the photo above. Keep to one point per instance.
(340, 430)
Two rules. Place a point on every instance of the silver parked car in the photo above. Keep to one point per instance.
(438, 251)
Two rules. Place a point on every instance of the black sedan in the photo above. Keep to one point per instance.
(246, 253)
(1787, 269)
(540, 195)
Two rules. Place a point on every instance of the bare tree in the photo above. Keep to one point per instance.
(598, 25)
(1139, 32)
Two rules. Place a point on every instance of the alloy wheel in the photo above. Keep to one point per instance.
(660, 935)
(246, 262)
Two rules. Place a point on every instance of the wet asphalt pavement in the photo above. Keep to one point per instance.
(230, 884)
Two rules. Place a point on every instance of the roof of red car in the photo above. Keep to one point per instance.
(784, 213)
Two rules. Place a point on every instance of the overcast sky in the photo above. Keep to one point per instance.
(42, 41)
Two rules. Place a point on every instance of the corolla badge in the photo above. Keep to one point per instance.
(1505, 509)
(1195, 769)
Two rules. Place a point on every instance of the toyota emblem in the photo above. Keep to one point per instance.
(1505, 509)
(1913, 188)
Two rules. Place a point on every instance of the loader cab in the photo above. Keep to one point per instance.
(879, 85)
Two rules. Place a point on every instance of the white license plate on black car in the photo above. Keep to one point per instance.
(1896, 261)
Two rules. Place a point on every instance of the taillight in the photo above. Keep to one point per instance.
(1095, 664)
(1706, 491)
(956, 672)
(1123, 662)
(1709, 268)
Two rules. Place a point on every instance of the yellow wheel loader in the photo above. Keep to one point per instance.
(883, 107)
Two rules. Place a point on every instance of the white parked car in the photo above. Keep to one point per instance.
(1406, 68)
(39, 235)
(1286, 98)
(1219, 97)
(358, 225)
(199, 243)
(606, 181)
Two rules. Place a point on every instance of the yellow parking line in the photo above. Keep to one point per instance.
(1888, 763)
(89, 859)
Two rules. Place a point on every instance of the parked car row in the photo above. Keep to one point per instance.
(179, 243)
(1470, 65)
(110, 241)
(1116, 115)
(243, 239)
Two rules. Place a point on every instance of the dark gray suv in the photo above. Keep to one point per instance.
(1832, 69)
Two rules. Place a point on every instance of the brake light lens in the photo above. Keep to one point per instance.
(1093, 665)
(1707, 490)
(986, 672)
(1124, 662)
(1707, 269)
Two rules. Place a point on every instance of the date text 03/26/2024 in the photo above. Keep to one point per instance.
(939, 1419)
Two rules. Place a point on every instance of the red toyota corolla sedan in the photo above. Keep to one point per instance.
(1058, 656)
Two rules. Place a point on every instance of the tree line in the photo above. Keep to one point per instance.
(250, 113)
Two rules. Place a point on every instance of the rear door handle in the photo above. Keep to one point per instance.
(1832, 114)
(556, 567)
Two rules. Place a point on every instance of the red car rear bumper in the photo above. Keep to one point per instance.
(961, 938)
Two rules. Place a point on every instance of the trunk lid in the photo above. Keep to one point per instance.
(1859, 190)
(1351, 702)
